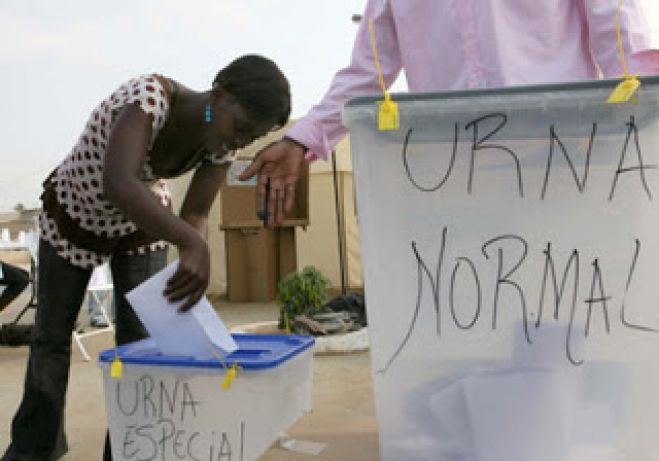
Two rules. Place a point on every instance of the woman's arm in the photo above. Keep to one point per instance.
(201, 193)
(196, 206)
(127, 147)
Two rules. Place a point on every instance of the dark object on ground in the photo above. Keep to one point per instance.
(343, 314)
(352, 303)
(324, 323)
(15, 280)
(12, 334)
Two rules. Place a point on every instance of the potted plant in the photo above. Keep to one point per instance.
(301, 294)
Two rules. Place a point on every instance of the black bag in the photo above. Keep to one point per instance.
(352, 303)
(14, 279)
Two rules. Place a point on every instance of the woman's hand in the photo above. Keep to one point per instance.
(191, 278)
(280, 164)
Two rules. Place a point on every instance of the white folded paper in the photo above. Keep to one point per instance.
(198, 333)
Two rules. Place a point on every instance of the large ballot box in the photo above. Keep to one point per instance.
(509, 242)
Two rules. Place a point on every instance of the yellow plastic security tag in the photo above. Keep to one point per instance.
(387, 109)
(117, 368)
(388, 115)
(230, 376)
(231, 372)
(624, 91)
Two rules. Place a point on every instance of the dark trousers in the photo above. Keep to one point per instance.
(37, 430)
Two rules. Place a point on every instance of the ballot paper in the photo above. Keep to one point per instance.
(534, 408)
(198, 333)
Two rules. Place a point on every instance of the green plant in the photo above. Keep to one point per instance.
(301, 293)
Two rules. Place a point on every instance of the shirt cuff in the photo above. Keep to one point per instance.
(310, 134)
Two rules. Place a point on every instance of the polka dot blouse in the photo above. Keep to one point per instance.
(78, 180)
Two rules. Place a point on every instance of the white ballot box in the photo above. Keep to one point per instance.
(170, 408)
(509, 239)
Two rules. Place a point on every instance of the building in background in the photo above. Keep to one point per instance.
(13, 223)
(20, 220)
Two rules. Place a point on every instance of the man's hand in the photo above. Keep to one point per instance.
(280, 164)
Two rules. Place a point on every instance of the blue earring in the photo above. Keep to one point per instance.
(208, 113)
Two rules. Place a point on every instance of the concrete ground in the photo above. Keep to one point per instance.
(342, 416)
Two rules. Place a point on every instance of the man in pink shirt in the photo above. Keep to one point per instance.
(457, 44)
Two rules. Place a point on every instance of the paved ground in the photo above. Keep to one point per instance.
(342, 416)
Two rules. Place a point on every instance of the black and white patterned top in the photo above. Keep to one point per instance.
(78, 180)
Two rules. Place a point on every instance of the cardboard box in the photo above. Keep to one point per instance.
(238, 199)
(252, 267)
(287, 251)
(257, 258)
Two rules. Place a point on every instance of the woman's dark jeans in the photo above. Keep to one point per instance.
(37, 430)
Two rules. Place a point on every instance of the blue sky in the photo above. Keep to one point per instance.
(59, 58)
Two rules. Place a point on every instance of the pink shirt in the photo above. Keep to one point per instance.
(458, 44)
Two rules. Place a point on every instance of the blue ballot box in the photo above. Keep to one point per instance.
(176, 408)
(509, 241)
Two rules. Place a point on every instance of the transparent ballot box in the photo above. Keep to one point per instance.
(509, 239)
(172, 408)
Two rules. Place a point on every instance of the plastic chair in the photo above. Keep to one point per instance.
(99, 289)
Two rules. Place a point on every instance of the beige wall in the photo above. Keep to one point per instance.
(355, 274)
